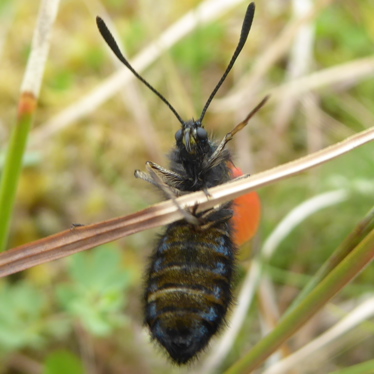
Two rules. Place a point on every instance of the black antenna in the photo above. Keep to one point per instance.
(247, 23)
(108, 37)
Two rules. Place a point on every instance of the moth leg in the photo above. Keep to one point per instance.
(146, 177)
(155, 181)
(170, 177)
(168, 173)
(166, 180)
(207, 193)
(227, 215)
(209, 224)
(162, 179)
(169, 192)
(194, 209)
(217, 156)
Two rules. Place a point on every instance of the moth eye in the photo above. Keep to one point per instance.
(201, 133)
(179, 135)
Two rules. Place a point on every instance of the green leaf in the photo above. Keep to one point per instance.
(98, 291)
(21, 316)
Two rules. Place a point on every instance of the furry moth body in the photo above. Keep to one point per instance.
(189, 279)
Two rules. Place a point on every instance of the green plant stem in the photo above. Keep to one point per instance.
(11, 173)
(366, 367)
(362, 229)
(350, 267)
(29, 93)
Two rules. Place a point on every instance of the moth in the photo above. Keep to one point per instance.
(189, 279)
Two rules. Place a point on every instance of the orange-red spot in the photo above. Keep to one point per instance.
(247, 213)
(27, 104)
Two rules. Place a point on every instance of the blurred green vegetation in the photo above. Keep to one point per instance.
(85, 311)
(62, 362)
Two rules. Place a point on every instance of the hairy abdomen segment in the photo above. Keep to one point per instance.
(189, 287)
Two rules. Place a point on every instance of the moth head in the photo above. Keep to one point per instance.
(191, 136)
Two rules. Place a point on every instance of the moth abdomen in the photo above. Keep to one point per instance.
(189, 287)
